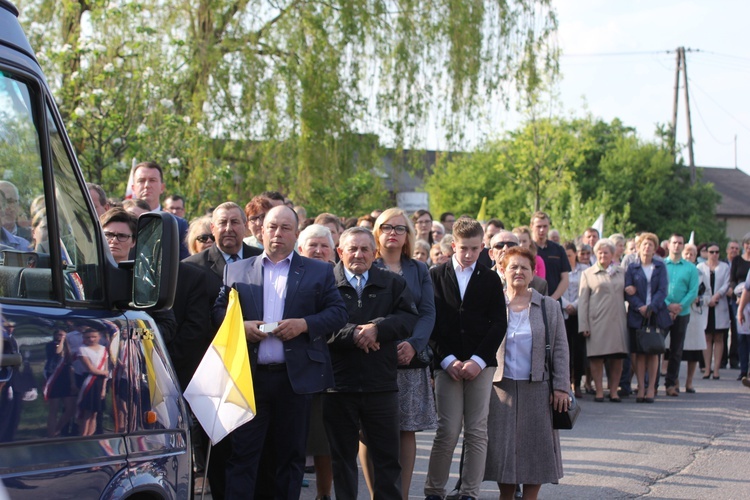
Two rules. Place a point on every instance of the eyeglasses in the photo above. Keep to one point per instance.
(387, 228)
(121, 237)
(205, 237)
(257, 219)
(502, 244)
(713, 251)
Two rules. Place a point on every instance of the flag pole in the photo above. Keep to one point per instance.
(205, 468)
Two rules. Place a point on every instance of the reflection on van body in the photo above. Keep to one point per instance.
(84, 383)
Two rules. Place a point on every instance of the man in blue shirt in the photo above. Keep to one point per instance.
(683, 289)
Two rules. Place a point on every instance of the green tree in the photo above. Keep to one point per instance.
(576, 169)
(290, 84)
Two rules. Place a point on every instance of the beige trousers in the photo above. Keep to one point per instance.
(460, 404)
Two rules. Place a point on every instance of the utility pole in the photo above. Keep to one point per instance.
(681, 66)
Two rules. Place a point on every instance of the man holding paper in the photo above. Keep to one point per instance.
(289, 304)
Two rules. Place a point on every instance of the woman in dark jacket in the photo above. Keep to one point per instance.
(646, 287)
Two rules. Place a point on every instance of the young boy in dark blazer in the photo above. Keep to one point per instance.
(470, 325)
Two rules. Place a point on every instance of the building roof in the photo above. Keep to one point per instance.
(734, 187)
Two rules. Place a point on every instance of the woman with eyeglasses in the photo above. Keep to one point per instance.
(718, 309)
(119, 227)
(394, 239)
(199, 235)
(422, 220)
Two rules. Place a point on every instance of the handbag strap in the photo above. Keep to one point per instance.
(547, 347)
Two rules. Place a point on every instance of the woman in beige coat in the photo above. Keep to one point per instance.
(601, 318)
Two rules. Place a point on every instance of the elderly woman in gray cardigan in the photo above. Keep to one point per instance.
(523, 448)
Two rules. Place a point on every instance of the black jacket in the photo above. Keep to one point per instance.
(386, 302)
(473, 326)
(213, 263)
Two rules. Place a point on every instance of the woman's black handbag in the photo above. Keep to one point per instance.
(650, 337)
(560, 419)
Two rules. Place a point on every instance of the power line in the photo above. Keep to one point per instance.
(700, 115)
(692, 82)
(618, 54)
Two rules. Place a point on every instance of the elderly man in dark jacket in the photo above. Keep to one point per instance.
(381, 312)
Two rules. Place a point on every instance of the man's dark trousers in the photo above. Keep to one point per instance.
(377, 413)
(676, 342)
(275, 398)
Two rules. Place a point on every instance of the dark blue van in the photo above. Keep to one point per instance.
(89, 406)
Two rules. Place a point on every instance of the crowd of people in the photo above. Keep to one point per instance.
(364, 331)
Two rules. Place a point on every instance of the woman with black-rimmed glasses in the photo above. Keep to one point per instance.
(395, 239)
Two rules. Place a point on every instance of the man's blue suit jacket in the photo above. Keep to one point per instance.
(311, 294)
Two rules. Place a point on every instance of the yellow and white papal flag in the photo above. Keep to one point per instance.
(221, 391)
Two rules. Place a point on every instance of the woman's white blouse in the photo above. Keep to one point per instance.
(518, 346)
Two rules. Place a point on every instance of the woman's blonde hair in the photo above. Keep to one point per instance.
(390, 213)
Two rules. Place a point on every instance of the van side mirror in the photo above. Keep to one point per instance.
(157, 258)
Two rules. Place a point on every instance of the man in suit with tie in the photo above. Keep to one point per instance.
(228, 225)
(469, 327)
(289, 304)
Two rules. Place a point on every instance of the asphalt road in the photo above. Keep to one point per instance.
(694, 446)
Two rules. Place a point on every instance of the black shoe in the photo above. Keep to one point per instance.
(432, 497)
(742, 375)
(466, 497)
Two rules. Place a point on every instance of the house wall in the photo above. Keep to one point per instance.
(737, 227)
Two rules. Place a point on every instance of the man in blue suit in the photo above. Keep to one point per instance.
(289, 304)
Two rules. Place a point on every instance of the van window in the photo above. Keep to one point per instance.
(26, 252)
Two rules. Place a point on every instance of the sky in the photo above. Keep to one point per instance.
(619, 61)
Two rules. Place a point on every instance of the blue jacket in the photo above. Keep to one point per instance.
(635, 276)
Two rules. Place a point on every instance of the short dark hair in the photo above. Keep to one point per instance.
(445, 215)
(419, 213)
(677, 235)
(119, 215)
(591, 230)
(135, 202)
(99, 192)
(273, 195)
(175, 197)
(150, 164)
(496, 223)
(467, 228)
(539, 215)
(326, 218)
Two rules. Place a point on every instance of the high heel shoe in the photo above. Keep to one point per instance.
(706, 377)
